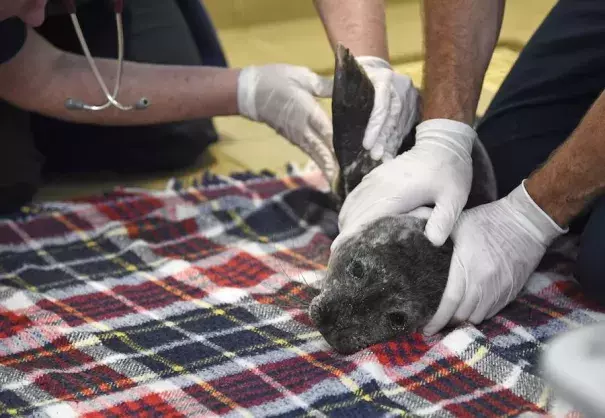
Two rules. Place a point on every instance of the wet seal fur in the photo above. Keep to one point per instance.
(388, 280)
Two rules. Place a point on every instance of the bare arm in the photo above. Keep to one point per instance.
(575, 173)
(460, 37)
(358, 24)
(40, 78)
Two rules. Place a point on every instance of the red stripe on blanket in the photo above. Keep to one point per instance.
(402, 351)
(440, 383)
(76, 385)
(151, 406)
(127, 210)
(243, 270)
(12, 323)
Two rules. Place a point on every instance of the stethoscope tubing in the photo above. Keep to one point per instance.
(75, 104)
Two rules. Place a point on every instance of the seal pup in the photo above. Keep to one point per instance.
(386, 281)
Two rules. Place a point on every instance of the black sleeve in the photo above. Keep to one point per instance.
(12, 38)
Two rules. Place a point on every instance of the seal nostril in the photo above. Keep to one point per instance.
(324, 315)
(320, 313)
(398, 319)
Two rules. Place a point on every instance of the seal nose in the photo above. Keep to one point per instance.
(323, 312)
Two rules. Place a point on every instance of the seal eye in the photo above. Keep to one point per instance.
(398, 319)
(355, 269)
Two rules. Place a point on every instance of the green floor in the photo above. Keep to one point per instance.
(263, 31)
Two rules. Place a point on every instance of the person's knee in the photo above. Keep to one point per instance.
(127, 150)
(19, 181)
(590, 264)
(20, 161)
(15, 196)
(173, 146)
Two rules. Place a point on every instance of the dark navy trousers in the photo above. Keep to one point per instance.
(557, 77)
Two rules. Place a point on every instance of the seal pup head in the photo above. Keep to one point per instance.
(385, 282)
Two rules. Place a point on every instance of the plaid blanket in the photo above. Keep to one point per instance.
(192, 302)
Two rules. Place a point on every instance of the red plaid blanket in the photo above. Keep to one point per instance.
(192, 303)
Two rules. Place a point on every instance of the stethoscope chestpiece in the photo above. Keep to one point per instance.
(73, 104)
(143, 103)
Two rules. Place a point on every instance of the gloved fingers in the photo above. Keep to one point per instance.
(340, 238)
(495, 310)
(368, 61)
(393, 143)
(373, 198)
(486, 313)
(377, 151)
(441, 318)
(322, 86)
(470, 304)
(344, 235)
(441, 223)
(451, 299)
(362, 212)
(382, 103)
(506, 295)
(355, 215)
(421, 212)
(316, 148)
(388, 132)
(388, 157)
(472, 296)
(412, 105)
(482, 309)
(315, 84)
(357, 197)
(405, 86)
(320, 123)
(410, 100)
(502, 302)
(394, 130)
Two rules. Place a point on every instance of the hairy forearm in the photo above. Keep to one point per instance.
(460, 37)
(360, 25)
(574, 175)
(176, 92)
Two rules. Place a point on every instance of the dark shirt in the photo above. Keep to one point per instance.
(12, 38)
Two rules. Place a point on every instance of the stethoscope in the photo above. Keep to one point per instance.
(74, 104)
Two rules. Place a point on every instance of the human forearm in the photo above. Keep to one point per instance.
(358, 24)
(575, 173)
(175, 92)
(460, 37)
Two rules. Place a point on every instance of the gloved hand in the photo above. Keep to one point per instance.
(497, 246)
(436, 170)
(396, 108)
(283, 97)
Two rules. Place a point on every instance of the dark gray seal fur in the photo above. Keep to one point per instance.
(388, 280)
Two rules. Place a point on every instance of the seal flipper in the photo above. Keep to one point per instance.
(352, 103)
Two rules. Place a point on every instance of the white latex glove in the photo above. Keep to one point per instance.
(437, 170)
(283, 97)
(497, 246)
(395, 111)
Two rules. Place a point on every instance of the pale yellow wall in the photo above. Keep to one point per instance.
(231, 13)
(262, 31)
